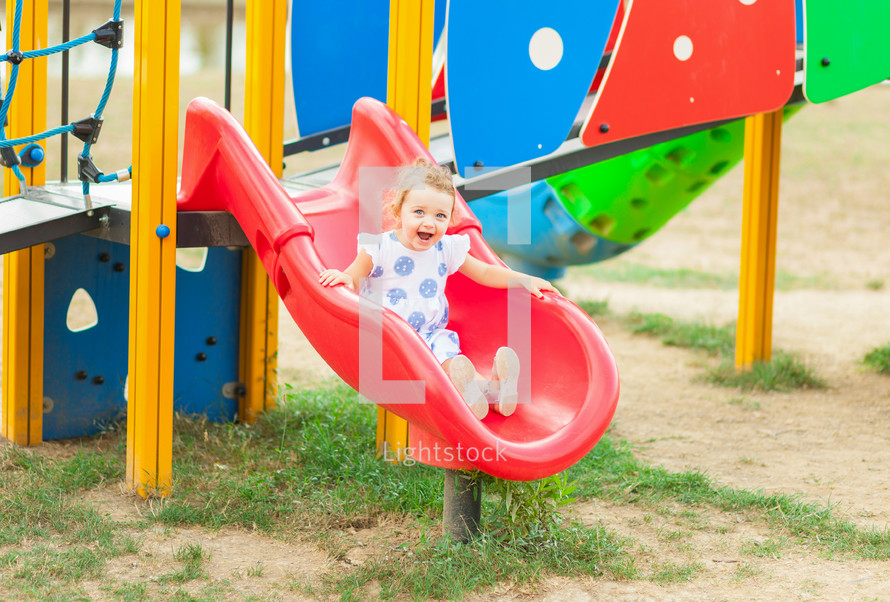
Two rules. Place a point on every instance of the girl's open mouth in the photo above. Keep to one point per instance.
(424, 235)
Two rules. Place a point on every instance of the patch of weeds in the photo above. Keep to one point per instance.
(743, 571)
(769, 548)
(785, 372)
(522, 507)
(878, 359)
(192, 556)
(127, 591)
(595, 309)
(676, 333)
(875, 285)
(745, 404)
(256, 570)
(612, 472)
(671, 572)
(440, 569)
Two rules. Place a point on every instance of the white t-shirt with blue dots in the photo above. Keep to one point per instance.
(412, 284)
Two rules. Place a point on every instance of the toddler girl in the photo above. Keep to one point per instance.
(405, 270)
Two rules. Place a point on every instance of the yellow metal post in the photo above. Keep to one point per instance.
(153, 275)
(763, 144)
(409, 93)
(21, 416)
(264, 121)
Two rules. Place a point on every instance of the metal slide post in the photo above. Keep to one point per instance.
(264, 122)
(462, 508)
(763, 145)
(21, 416)
(153, 247)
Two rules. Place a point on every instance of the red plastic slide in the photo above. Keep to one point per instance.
(568, 369)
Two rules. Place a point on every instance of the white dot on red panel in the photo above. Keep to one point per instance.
(545, 48)
(747, 2)
(683, 48)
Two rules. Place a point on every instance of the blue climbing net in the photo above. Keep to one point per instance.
(110, 35)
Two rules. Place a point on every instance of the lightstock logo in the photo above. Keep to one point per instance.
(376, 186)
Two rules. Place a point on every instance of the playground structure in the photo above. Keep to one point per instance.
(155, 226)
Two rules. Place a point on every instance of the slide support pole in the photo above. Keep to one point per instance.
(264, 122)
(21, 414)
(153, 255)
(763, 143)
(409, 93)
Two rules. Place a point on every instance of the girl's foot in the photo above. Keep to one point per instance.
(504, 385)
(463, 375)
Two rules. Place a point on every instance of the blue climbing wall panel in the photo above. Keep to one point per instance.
(207, 327)
(85, 371)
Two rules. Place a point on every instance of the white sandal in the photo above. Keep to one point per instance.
(504, 385)
(463, 375)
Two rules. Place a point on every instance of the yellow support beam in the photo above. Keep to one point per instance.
(264, 121)
(153, 275)
(409, 93)
(21, 415)
(763, 145)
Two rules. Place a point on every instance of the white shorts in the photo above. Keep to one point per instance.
(444, 343)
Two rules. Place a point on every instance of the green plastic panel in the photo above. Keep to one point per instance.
(628, 198)
(847, 46)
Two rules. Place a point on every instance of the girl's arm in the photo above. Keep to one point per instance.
(358, 269)
(497, 276)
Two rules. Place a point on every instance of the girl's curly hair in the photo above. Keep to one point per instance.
(423, 173)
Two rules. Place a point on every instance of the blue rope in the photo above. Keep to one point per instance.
(41, 52)
(109, 84)
(35, 137)
(10, 89)
(13, 78)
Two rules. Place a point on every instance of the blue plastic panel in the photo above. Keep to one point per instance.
(339, 53)
(208, 305)
(85, 372)
(517, 74)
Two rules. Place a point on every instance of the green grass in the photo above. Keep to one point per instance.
(55, 540)
(308, 470)
(676, 333)
(878, 359)
(612, 472)
(630, 272)
(785, 372)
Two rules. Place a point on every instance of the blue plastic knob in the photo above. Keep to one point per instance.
(32, 155)
(163, 231)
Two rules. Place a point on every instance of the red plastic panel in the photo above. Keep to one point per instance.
(574, 380)
(684, 62)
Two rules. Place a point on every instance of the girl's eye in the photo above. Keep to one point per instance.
(418, 212)
(441, 215)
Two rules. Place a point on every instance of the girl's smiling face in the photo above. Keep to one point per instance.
(424, 217)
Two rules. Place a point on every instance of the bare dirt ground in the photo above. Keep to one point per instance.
(830, 446)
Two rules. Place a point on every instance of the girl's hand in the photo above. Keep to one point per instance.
(536, 285)
(332, 277)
